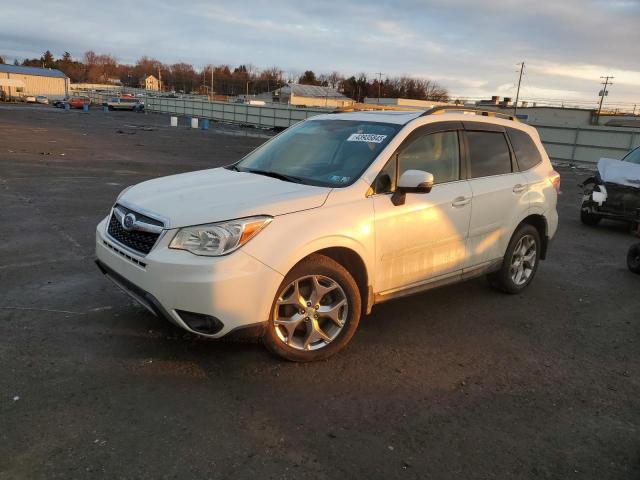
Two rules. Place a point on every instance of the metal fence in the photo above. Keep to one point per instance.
(587, 144)
(97, 98)
(563, 143)
(268, 116)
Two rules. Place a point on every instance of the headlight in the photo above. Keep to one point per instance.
(218, 238)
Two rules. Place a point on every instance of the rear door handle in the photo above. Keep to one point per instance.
(519, 188)
(461, 201)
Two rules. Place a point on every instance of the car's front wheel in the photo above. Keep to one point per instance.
(633, 258)
(520, 261)
(590, 219)
(315, 313)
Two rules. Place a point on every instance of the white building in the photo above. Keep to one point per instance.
(149, 82)
(307, 96)
(17, 82)
(408, 103)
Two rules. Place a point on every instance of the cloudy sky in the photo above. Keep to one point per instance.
(470, 46)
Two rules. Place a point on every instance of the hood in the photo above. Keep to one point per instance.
(215, 195)
(617, 171)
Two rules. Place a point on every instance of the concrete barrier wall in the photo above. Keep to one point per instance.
(94, 86)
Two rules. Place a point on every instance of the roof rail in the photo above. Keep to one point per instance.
(460, 108)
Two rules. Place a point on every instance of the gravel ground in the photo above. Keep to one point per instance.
(460, 382)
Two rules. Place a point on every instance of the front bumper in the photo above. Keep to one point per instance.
(612, 201)
(235, 289)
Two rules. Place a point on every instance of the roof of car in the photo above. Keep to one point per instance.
(404, 117)
(383, 116)
(43, 72)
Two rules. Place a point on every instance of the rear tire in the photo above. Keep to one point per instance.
(520, 261)
(589, 219)
(315, 312)
(633, 258)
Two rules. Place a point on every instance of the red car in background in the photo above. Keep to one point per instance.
(78, 102)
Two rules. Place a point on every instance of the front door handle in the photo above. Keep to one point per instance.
(461, 201)
(519, 188)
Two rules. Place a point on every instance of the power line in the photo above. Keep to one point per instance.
(379, 83)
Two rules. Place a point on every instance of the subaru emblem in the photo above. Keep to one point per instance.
(128, 221)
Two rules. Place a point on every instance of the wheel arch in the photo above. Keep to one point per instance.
(539, 222)
(355, 265)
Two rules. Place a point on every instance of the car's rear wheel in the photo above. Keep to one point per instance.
(315, 313)
(590, 219)
(633, 258)
(520, 261)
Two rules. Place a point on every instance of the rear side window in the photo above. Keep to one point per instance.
(527, 154)
(489, 154)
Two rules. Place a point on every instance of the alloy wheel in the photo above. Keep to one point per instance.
(523, 260)
(310, 312)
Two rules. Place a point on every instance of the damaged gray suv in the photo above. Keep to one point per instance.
(614, 191)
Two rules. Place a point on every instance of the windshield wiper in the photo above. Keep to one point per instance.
(279, 176)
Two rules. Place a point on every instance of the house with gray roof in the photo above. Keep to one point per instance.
(307, 96)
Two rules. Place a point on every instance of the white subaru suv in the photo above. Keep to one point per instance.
(297, 240)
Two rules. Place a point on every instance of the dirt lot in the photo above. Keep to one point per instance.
(461, 382)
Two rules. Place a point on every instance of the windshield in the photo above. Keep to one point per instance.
(332, 153)
(633, 156)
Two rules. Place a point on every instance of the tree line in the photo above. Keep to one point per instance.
(227, 80)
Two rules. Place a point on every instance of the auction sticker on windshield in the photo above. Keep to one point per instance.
(366, 137)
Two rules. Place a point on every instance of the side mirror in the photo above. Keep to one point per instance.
(412, 181)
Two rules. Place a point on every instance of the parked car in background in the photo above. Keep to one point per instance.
(614, 191)
(29, 99)
(338, 213)
(250, 101)
(78, 102)
(59, 103)
(124, 103)
(42, 99)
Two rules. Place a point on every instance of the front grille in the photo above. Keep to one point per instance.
(142, 242)
(124, 254)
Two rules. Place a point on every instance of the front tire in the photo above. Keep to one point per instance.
(633, 258)
(315, 312)
(520, 261)
(589, 219)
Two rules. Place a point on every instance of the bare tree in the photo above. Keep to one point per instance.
(334, 78)
(232, 81)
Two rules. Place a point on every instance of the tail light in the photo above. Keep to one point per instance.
(554, 178)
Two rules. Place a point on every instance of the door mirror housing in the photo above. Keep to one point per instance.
(412, 181)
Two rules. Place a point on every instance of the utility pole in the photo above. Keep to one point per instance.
(603, 93)
(159, 79)
(379, 84)
(515, 108)
(211, 67)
